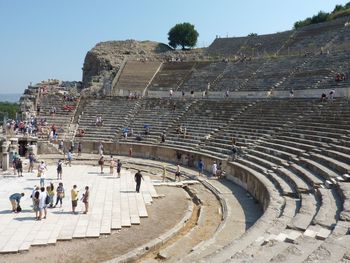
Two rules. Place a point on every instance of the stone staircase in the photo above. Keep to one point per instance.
(135, 77)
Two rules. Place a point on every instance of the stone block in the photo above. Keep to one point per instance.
(281, 237)
(323, 234)
(310, 233)
(292, 236)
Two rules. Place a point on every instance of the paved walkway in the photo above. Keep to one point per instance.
(113, 204)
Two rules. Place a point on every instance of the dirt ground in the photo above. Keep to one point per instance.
(164, 214)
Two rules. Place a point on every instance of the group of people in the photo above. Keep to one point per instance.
(331, 96)
(339, 77)
(43, 198)
(113, 165)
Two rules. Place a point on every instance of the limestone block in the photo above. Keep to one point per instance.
(310, 233)
(323, 234)
(292, 236)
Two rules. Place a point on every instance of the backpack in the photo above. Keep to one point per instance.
(47, 199)
(18, 209)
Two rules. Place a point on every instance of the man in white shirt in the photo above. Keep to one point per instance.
(42, 203)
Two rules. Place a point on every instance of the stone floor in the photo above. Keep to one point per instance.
(113, 204)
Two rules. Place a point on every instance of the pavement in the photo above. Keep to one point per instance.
(114, 204)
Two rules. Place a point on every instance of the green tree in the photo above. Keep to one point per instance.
(184, 35)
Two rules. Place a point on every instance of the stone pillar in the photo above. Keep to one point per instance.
(5, 161)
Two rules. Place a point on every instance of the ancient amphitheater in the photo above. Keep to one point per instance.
(284, 197)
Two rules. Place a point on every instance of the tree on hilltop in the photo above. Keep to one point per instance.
(184, 35)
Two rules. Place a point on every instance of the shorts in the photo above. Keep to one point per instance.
(74, 203)
(42, 180)
(41, 208)
(177, 174)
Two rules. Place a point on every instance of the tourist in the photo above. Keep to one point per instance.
(130, 151)
(79, 149)
(214, 169)
(15, 200)
(43, 201)
(60, 145)
(85, 199)
(162, 137)
(200, 167)
(291, 93)
(219, 172)
(178, 173)
(171, 93)
(51, 193)
(59, 169)
(74, 196)
(41, 173)
(332, 94)
(227, 93)
(111, 166)
(183, 94)
(100, 149)
(19, 167)
(35, 189)
(70, 157)
(323, 97)
(119, 167)
(31, 162)
(101, 163)
(138, 177)
(72, 146)
(59, 194)
(36, 199)
(14, 159)
(192, 94)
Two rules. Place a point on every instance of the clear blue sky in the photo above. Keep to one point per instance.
(43, 39)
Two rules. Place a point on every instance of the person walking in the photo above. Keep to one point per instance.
(111, 166)
(214, 169)
(178, 173)
(43, 201)
(51, 193)
(59, 169)
(101, 163)
(36, 199)
(200, 167)
(41, 173)
(100, 149)
(19, 167)
(74, 195)
(70, 157)
(15, 200)
(138, 177)
(31, 162)
(59, 194)
(119, 167)
(85, 199)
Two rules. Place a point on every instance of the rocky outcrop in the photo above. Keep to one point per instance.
(103, 62)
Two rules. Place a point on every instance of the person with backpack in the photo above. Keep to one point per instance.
(59, 169)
